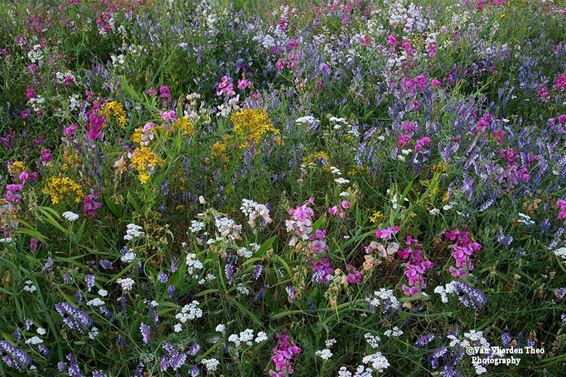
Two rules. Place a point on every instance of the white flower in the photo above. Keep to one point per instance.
(261, 337)
(377, 361)
(372, 340)
(95, 302)
(196, 226)
(102, 292)
(29, 287)
(133, 231)
(394, 332)
(126, 284)
(93, 333)
(128, 257)
(329, 343)
(178, 327)
(341, 180)
(189, 312)
(41, 331)
(221, 328)
(70, 216)
(34, 340)
(324, 354)
(210, 364)
(246, 336)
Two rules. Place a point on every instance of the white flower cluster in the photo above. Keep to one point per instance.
(29, 287)
(326, 353)
(188, 312)
(210, 364)
(95, 302)
(128, 257)
(254, 211)
(384, 297)
(34, 340)
(70, 216)
(247, 253)
(525, 219)
(228, 228)
(133, 231)
(377, 361)
(445, 290)
(372, 340)
(196, 226)
(561, 253)
(245, 337)
(126, 284)
(472, 339)
(193, 263)
(394, 332)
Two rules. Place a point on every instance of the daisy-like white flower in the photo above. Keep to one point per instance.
(70, 216)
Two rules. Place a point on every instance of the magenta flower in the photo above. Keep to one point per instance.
(562, 205)
(385, 234)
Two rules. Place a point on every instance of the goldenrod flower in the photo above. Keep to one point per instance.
(60, 187)
(115, 110)
(144, 160)
(185, 125)
(252, 124)
(16, 168)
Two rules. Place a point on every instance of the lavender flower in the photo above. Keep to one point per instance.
(145, 333)
(13, 357)
(73, 318)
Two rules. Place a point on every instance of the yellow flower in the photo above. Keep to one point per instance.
(137, 135)
(60, 187)
(185, 125)
(115, 110)
(252, 124)
(376, 216)
(144, 160)
(16, 168)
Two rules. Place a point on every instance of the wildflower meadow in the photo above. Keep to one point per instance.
(346, 188)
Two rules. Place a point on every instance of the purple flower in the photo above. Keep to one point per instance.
(13, 357)
(73, 318)
(145, 333)
(89, 279)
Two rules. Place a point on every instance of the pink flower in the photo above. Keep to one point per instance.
(562, 205)
(560, 82)
(392, 41)
(244, 84)
(168, 116)
(225, 87)
(404, 139)
(345, 204)
(279, 64)
(385, 234)
(422, 143)
(333, 211)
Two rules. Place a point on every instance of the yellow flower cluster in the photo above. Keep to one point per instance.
(16, 168)
(218, 150)
(252, 124)
(58, 188)
(185, 125)
(144, 160)
(376, 216)
(114, 109)
(137, 135)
